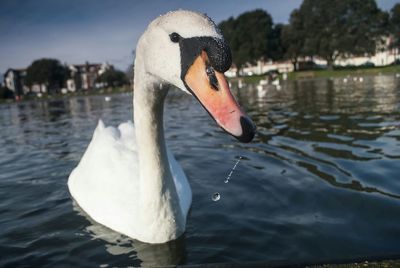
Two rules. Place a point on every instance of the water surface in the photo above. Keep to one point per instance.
(321, 180)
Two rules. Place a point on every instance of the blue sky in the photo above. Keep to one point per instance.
(99, 31)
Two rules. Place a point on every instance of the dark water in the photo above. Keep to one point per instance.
(320, 181)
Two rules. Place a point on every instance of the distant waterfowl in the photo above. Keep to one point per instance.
(263, 82)
(276, 82)
(240, 83)
(271, 78)
(128, 180)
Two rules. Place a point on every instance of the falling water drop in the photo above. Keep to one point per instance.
(215, 197)
(232, 170)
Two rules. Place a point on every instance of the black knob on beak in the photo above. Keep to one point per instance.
(248, 129)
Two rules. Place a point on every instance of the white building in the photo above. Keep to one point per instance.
(383, 56)
(14, 80)
(84, 76)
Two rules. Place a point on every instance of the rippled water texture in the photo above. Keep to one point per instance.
(321, 179)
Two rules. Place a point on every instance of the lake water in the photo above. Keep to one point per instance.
(321, 180)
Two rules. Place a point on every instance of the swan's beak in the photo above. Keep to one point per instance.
(212, 90)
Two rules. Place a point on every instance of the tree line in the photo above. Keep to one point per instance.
(53, 74)
(328, 29)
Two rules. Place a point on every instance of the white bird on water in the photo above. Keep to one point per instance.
(128, 180)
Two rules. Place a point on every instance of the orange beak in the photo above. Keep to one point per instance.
(212, 90)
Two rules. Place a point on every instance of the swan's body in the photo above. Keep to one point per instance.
(127, 179)
(110, 170)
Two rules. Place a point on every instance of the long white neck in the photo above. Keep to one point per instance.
(160, 211)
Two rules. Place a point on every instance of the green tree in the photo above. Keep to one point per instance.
(49, 72)
(395, 25)
(130, 73)
(113, 78)
(277, 48)
(333, 28)
(249, 36)
(292, 38)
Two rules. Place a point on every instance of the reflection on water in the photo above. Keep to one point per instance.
(319, 181)
(326, 123)
(149, 255)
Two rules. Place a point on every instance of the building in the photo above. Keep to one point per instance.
(385, 55)
(14, 80)
(84, 76)
(81, 76)
(262, 67)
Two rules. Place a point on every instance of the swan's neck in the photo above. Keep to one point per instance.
(159, 202)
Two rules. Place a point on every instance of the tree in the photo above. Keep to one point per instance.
(113, 78)
(277, 48)
(5, 93)
(49, 72)
(292, 38)
(333, 28)
(130, 71)
(395, 25)
(248, 36)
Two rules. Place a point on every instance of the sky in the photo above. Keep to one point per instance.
(99, 31)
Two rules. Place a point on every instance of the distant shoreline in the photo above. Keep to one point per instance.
(299, 75)
(311, 74)
(93, 92)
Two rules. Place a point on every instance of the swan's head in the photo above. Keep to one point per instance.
(187, 50)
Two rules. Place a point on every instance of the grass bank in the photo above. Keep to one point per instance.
(377, 264)
(393, 69)
(345, 72)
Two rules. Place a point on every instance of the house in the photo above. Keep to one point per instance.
(84, 76)
(385, 54)
(81, 76)
(14, 80)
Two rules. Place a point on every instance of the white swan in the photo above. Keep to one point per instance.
(127, 179)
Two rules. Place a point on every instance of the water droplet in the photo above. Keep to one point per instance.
(215, 197)
(232, 170)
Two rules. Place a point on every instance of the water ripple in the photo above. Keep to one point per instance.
(323, 167)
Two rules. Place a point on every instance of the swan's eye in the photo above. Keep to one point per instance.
(175, 37)
(211, 76)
